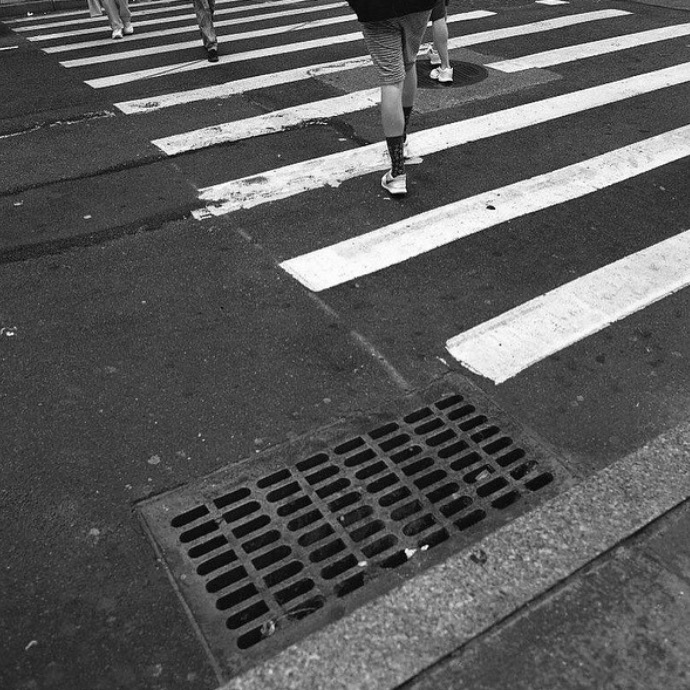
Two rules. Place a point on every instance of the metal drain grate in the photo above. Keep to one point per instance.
(258, 557)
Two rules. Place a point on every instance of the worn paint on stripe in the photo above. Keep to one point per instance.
(229, 38)
(232, 88)
(137, 38)
(239, 86)
(336, 168)
(510, 343)
(472, 39)
(268, 123)
(582, 51)
(161, 20)
(394, 244)
(136, 13)
(84, 14)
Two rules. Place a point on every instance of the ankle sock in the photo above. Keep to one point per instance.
(396, 150)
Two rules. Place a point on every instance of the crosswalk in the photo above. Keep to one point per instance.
(161, 71)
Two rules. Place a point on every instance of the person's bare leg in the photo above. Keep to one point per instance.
(392, 118)
(440, 32)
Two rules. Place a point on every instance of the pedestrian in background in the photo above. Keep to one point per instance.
(204, 17)
(439, 51)
(119, 16)
(393, 31)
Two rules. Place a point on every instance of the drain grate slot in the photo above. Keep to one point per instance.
(267, 554)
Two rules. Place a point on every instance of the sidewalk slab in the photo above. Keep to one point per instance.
(620, 624)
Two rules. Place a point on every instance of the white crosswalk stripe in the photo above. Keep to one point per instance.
(234, 38)
(137, 38)
(591, 49)
(284, 49)
(336, 168)
(391, 245)
(187, 17)
(505, 345)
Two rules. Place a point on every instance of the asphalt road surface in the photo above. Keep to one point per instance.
(198, 263)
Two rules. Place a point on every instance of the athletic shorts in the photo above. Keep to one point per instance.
(394, 43)
(439, 11)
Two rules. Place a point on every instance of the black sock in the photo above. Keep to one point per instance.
(397, 153)
(407, 111)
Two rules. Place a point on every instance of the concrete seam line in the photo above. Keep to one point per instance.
(399, 635)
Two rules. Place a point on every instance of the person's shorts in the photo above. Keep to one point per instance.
(394, 43)
(439, 11)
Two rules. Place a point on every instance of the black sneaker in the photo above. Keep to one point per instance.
(212, 54)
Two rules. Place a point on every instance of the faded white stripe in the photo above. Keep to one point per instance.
(232, 88)
(268, 123)
(394, 244)
(508, 344)
(229, 38)
(582, 51)
(336, 168)
(472, 39)
(194, 28)
(162, 20)
(135, 14)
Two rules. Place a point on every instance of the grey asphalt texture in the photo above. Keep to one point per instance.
(142, 350)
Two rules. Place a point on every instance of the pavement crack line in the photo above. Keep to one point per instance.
(360, 340)
(97, 115)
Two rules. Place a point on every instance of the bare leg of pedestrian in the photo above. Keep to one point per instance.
(439, 55)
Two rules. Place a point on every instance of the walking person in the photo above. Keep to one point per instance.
(439, 52)
(204, 17)
(119, 16)
(393, 31)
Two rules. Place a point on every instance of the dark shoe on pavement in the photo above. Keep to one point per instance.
(212, 54)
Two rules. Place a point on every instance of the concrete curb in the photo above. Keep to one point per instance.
(401, 634)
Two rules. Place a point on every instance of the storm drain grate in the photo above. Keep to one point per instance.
(258, 557)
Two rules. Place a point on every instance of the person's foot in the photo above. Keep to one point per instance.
(396, 185)
(128, 30)
(434, 57)
(117, 33)
(212, 54)
(442, 74)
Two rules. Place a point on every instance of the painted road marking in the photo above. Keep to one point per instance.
(135, 15)
(336, 168)
(394, 244)
(510, 343)
(233, 88)
(243, 36)
(194, 28)
(591, 49)
(269, 123)
(462, 41)
(162, 20)
(280, 120)
(84, 14)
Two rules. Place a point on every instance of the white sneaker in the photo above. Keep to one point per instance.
(395, 185)
(434, 57)
(128, 30)
(443, 75)
(117, 33)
